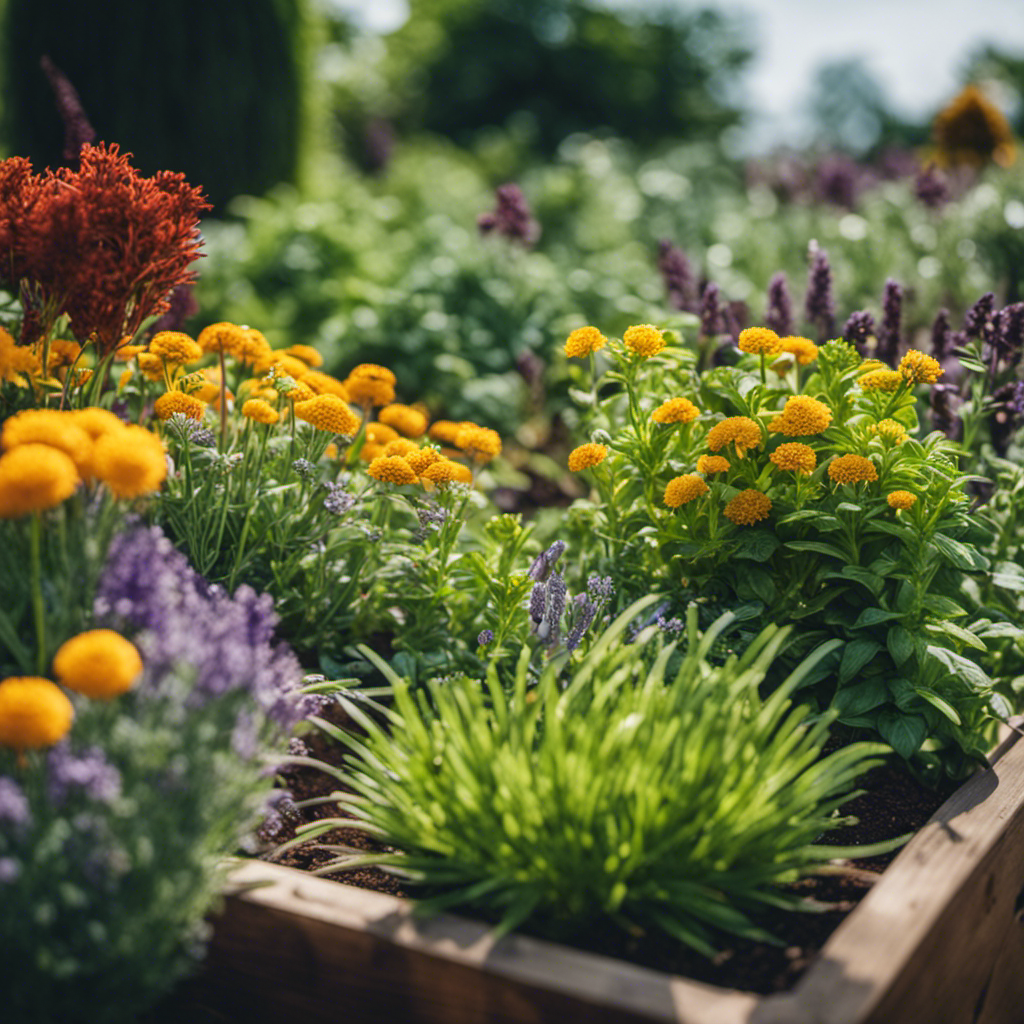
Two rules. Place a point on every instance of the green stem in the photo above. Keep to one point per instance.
(35, 536)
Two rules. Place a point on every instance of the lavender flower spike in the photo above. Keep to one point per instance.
(677, 273)
(511, 217)
(819, 304)
(77, 130)
(892, 315)
(779, 315)
(858, 329)
(712, 318)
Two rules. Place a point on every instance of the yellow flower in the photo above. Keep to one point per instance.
(371, 450)
(302, 392)
(223, 337)
(872, 364)
(586, 456)
(370, 384)
(406, 420)
(711, 464)
(683, 489)
(644, 339)
(126, 352)
(889, 430)
(96, 422)
(33, 713)
(260, 411)
(131, 462)
(34, 477)
(62, 353)
(332, 451)
(177, 401)
(151, 366)
(795, 457)
(324, 384)
(849, 469)
(460, 473)
(175, 348)
(98, 663)
(479, 443)
(53, 428)
(392, 469)
(802, 349)
(881, 380)
(801, 416)
(445, 431)
(306, 353)
(444, 472)
(420, 459)
(760, 341)
(918, 368)
(400, 446)
(280, 362)
(901, 499)
(675, 410)
(740, 430)
(329, 413)
(583, 341)
(748, 507)
(383, 434)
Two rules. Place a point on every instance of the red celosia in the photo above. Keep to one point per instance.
(102, 243)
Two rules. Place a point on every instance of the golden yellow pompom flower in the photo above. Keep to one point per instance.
(748, 507)
(34, 477)
(372, 450)
(869, 365)
(302, 392)
(383, 434)
(131, 462)
(881, 380)
(586, 456)
(175, 348)
(98, 663)
(96, 422)
(444, 472)
(802, 349)
(645, 340)
(901, 500)
(177, 401)
(126, 352)
(889, 430)
(801, 416)
(403, 418)
(760, 341)
(329, 413)
(62, 353)
(479, 443)
(741, 431)
(918, 368)
(850, 469)
(711, 464)
(795, 457)
(972, 130)
(368, 387)
(445, 431)
(421, 458)
(50, 427)
(684, 489)
(392, 469)
(280, 363)
(676, 410)
(324, 384)
(401, 446)
(307, 354)
(223, 337)
(254, 348)
(34, 712)
(260, 411)
(583, 341)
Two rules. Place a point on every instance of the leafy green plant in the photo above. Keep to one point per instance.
(646, 786)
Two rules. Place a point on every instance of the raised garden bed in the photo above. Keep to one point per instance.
(938, 939)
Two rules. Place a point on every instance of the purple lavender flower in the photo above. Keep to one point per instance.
(431, 518)
(931, 188)
(485, 637)
(557, 593)
(943, 412)
(858, 328)
(183, 306)
(538, 603)
(337, 500)
(889, 331)
(585, 614)
(544, 562)
(88, 771)
(14, 808)
(712, 319)
(677, 273)
(839, 180)
(941, 335)
(1010, 338)
(979, 320)
(818, 303)
(672, 627)
(779, 315)
(303, 468)
(10, 870)
(511, 217)
(600, 587)
(77, 130)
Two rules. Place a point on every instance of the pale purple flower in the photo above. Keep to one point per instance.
(931, 187)
(712, 319)
(677, 273)
(889, 330)
(779, 315)
(600, 587)
(819, 305)
(511, 217)
(485, 637)
(10, 870)
(337, 501)
(858, 328)
(87, 771)
(545, 561)
(14, 807)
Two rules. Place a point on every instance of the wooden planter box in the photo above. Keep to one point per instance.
(938, 939)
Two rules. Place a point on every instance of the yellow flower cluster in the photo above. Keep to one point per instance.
(760, 341)
(130, 461)
(802, 349)
(586, 456)
(644, 340)
(328, 413)
(881, 380)
(850, 469)
(675, 410)
(421, 458)
(711, 464)
(795, 457)
(901, 500)
(748, 507)
(223, 337)
(918, 368)
(98, 663)
(34, 477)
(444, 431)
(399, 446)
(479, 443)
(370, 385)
(392, 469)
(889, 430)
(34, 712)
(324, 384)
(175, 348)
(50, 427)
(683, 489)
(583, 341)
(306, 353)
(177, 401)
(801, 416)
(404, 418)
(261, 411)
(741, 431)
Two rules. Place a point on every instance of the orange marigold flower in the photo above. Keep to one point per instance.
(586, 456)
(177, 401)
(307, 354)
(760, 341)
(795, 457)
(742, 431)
(748, 507)
(392, 469)
(406, 420)
(223, 337)
(325, 384)
(99, 663)
(802, 349)
(801, 416)
(583, 341)
(683, 489)
(34, 712)
(260, 411)
(918, 368)
(34, 477)
(131, 462)
(421, 458)
(881, 380)
(175, 348)
(711, 464)
(480, 443)
(849, 469)
(676, 410)
(645, 340)
(330, 413)
(901, 499)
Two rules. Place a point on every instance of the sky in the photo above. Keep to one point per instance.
(915, 48)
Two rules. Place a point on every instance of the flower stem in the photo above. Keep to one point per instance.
(35, 532)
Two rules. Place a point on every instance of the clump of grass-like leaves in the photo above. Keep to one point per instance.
(651, 787)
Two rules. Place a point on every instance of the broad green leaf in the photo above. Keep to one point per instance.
(758, 545)
(961, 556)
(904, 733)
(900, 644)
(965, 636)
(940, 703)
(959, 666)
(856, 654)
(851, 701)
(817, 546)
(873, 616)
